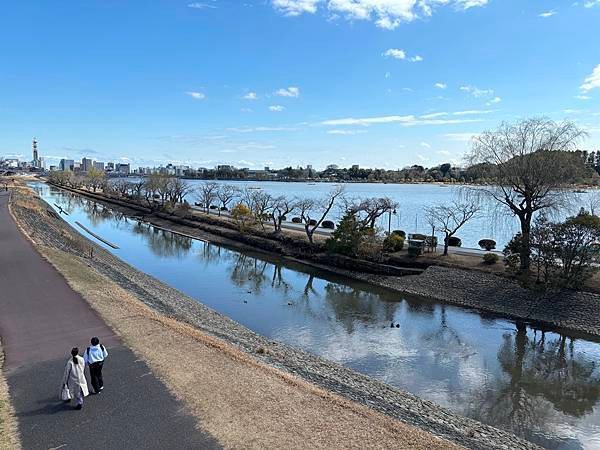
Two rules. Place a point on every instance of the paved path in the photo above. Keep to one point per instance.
(41, 319)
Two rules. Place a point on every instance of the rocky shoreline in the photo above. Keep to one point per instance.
(47, 228)
(571, 311)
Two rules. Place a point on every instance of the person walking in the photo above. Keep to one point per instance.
(94, 357)
(74, 382)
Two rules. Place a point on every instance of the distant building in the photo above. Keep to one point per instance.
(355, 167)
(36, 161)
(86, 164)
(224, 168)
(267, 169)
(67, 164)
(110, 167)
(332, 167)
(98, 165)
(123, 169)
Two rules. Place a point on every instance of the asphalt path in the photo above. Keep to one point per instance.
(41, 319)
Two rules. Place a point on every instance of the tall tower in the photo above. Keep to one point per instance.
(35, 153)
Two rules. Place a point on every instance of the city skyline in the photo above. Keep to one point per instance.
(278, 83)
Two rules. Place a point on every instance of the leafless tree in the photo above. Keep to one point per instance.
(177, 189)
(208, 193)
(226, 193)
(281, 207)
(260, 204)
(310, 209)
(530, 163)
(368, 210)
(449, 218)
(593, 202)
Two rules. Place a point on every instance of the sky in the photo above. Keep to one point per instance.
(254, 83)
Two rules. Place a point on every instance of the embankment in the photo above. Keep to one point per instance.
(46, 228)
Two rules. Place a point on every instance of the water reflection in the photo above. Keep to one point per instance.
(544, 386)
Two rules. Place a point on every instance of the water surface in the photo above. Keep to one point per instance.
(541, 385)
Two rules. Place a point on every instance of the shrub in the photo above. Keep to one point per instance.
(224, 208)
(346, 238)
(400, 233)
(487, 244)
(490, 258)
(241, 214)
(414, 251)
(418, 237)
(454, 241)
(312, 222)
(212, 207)
(283, 218)
(393, 243)
(296, 220)
(328, 224)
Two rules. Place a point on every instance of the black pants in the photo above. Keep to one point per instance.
(96, 375)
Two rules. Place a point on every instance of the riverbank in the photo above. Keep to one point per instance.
(50, 230)
(9, 435)
(572, 311)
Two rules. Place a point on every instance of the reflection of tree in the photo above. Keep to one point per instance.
(249, 273)
(350, 305)
(541, 374)
(163, 243)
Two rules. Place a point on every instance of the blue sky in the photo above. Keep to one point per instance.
(382, 83)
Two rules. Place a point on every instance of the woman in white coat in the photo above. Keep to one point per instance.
(74, 378)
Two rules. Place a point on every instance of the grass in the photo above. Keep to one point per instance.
(241, 402)
(9, 436)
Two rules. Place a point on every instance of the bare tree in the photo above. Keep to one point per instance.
(530, 163)
(450, 218)
(177, 189)
(281, 207)
(368, 210)
(310, 209)
(259, 203)
(207, 193)
(226, 193)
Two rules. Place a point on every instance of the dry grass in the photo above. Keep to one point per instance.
(9, 435)
(241, 402)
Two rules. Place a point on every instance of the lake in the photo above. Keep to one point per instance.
(493, 222)
(542, 385)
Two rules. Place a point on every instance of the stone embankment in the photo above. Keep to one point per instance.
(47, 228)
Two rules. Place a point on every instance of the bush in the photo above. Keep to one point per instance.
(328, 224)
(454, 241)
(241, 214)
(283, 218)
(393, 243)
(418, 236)
(414, 251)
(224, 208)
(296, 220)
(490, 258)
(212, 207)
(400, 233)
(487, 244)
(312, 222)
(347, 238)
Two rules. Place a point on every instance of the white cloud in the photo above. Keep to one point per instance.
(423, 158)
(276, 108)
(583, 97)
(546, 14)
(406, 121)
(296, 7)
(346, 132)
(425, 144)
(433, 115)
(592, 81)
(260, 129)
(386, 14)
(395, 53)
(246, 110)
(443, 152)
(476, 92)
(387, 75)
(251, 96)
(440, 85)
(472, 112)
(591, 3)
(494, 101)
(460, 137)
(292, 91)
(416, 58)
(200, 5)
(196, 95)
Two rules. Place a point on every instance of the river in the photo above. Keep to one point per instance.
(541, 385)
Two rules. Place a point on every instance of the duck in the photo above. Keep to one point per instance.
(290, 303)
(392, 325)
(397, 325)
(245, 301)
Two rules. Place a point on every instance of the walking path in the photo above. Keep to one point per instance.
(41, 319)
